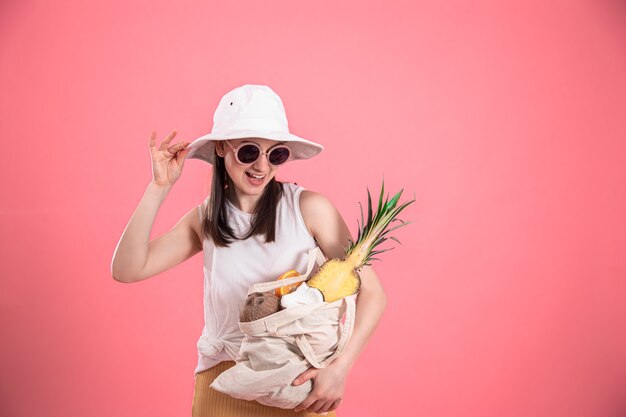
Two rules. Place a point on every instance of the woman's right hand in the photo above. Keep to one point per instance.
(167, 161)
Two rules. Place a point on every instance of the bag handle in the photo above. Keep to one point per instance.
(315, 255)
(272, 322)
(346, 331)
(348, 305)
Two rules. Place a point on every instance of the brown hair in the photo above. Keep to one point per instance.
(215, 219)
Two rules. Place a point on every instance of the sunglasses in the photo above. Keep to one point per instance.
(249, 152)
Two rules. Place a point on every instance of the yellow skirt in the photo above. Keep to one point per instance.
(208, 402)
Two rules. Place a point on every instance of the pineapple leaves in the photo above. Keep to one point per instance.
(369, 208)
(374, 229)
(382, 192)
(394, 228)
(362, 221)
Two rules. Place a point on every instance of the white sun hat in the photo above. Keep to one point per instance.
(251, 111)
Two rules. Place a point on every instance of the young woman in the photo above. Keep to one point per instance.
(252, 228)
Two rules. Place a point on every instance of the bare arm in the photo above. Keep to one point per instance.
(371, 303)
(331, 234)
(137, 258)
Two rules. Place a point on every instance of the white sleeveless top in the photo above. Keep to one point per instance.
(229, 272)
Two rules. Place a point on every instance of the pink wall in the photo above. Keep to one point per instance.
(505, 118)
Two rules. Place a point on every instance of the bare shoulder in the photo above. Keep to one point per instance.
(310, 197)
(196, 224)
(314, 206)
(324, 223)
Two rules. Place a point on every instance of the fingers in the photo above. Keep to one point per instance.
(304, 405)
(333, 406)
(152, 140)
(304, 376)
(180, 158)
(316, 406)
(318, 403)
(165, 145)
(319, 406)
(167, 140)
(177, 147)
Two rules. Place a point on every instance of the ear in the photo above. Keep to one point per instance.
(219, 147)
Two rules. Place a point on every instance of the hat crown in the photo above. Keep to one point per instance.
(248, 111)
(250, 107)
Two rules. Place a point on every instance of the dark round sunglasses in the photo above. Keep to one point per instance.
(249, 152)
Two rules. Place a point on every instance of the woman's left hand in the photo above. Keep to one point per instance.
(328, 387)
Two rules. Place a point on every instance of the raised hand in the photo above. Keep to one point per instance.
(167, 160)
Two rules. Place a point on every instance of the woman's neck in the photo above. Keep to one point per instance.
(243, 203)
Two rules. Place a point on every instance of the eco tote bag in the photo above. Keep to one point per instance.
(279, 347)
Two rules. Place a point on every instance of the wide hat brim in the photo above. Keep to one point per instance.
(204, 147)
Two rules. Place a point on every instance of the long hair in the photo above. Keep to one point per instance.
(215, 218)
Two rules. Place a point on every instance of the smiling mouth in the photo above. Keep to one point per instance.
(258, 177)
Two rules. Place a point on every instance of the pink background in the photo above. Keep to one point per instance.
(506, 119)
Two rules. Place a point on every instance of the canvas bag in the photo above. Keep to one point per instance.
(279, 347)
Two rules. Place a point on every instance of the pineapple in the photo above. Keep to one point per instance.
(338, 278)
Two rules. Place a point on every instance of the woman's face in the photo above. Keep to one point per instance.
(238, 173)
